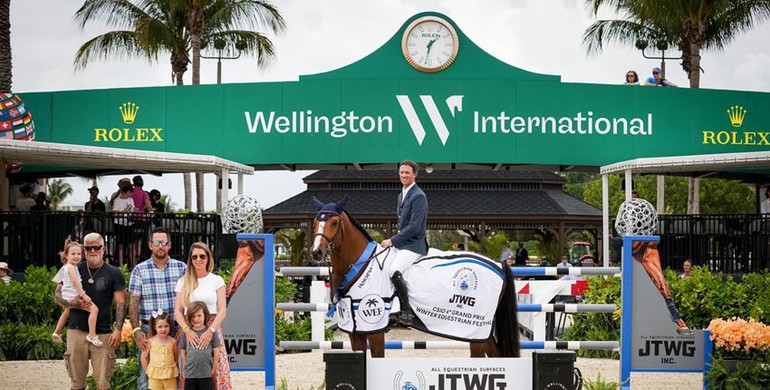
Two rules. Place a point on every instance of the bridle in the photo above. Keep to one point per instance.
(340, 232)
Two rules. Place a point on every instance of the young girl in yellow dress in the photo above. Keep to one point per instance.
(160, 358)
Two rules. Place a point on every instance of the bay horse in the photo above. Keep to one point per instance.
(345, 241)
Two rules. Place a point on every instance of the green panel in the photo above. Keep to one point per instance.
(358, 113)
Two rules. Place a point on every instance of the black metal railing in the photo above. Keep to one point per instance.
(37, 237)
(724, 243)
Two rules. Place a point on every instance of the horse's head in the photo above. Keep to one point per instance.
(327, 226)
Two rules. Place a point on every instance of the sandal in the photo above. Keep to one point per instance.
(57, 338)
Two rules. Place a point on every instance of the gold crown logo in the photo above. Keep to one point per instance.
(128, 110)
(736, 114)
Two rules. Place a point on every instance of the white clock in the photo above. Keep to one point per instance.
(430, 44)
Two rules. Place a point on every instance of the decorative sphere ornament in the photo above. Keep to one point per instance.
(15, 120)
(242, 214)
(15, 123)
(636, 217)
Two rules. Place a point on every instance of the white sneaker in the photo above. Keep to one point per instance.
(57, 338)
(94, 340)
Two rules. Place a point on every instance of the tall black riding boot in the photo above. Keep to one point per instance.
(406, 316)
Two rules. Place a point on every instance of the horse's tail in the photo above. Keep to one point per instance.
(506, 321)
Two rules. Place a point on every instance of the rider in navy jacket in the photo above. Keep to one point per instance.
(412, 210)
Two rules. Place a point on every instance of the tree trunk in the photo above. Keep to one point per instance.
(195, 27)
(6, 64)
(187, 179)
(695, 38)
(199, 189)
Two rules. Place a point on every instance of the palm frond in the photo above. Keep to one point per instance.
(118, 14)
(244, 14)
(251, 43)
(119, 44)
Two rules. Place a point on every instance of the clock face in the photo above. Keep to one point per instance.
(430, 44)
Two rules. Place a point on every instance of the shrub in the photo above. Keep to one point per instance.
(28, 342)
(597, 326)
(126, 376)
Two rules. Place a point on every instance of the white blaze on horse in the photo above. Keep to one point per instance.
(458, 295)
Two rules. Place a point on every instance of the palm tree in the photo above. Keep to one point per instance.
(143, 30)
(294, 240)
(690, 26)
(218, 20)
(6, 65)
(58, 190)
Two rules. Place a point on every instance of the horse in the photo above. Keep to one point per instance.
(337, 234)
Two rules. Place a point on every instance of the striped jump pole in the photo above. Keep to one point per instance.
(304, 271)
(556, 271)
(526, 308)
(439, 344)
(517, 271)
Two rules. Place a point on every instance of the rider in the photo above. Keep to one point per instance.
(412, 210)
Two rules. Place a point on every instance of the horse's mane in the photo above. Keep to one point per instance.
(358, 226)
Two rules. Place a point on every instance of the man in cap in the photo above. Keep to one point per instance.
(657, 80)
(5, 272)
(94, 203)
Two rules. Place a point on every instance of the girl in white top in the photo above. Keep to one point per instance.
(72, 289)
(200, 284)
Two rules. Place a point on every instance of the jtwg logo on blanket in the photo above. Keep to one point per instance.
(464, 281)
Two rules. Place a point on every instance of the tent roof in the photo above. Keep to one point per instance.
(745, 163)
(95, 157)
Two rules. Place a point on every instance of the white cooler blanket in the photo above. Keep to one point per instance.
(452, 294)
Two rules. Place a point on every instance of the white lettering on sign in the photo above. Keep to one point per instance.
(304, 122)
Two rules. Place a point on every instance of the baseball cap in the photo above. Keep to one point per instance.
(656, 70)
(94, 189)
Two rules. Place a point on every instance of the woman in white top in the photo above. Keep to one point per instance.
(124, 231)
(199, 283)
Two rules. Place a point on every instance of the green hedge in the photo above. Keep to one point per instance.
(699, 298)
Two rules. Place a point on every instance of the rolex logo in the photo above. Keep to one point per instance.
(129, 110)
(736, 114)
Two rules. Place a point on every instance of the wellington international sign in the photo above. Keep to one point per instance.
(429, 94)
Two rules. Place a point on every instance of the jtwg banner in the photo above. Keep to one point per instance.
(653, 335)
(249, 329)
(446, 373)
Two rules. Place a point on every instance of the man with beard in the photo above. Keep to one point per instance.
(152, 289)
(103, 283)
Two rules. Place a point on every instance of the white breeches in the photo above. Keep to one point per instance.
(402, 260)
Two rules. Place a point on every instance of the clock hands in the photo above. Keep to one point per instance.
(430, 44)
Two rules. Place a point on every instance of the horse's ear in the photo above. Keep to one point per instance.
(341, 204)
(318, 204)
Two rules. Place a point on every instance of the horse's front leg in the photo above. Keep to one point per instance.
(357, 342)
(377, 344)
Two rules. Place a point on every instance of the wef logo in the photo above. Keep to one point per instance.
(454, 103)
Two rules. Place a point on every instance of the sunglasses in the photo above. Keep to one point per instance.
(93, 248)
(629, 75)
(655, 72)
(159, 242)
(196, 257)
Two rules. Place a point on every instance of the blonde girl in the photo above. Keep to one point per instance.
(160, 357)
(72, 289)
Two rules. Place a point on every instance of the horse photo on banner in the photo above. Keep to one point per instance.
(249, 329)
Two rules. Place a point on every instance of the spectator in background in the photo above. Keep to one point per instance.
(26, 201)
(5, 272)
(124, 204)
(521, 255)
(764, 207)
(142, 206)
(157, 205)
(687, 267)
(41, 203)
(632, 78)
(94, 204)
(117, 193)
(656, 80)
(564, 262)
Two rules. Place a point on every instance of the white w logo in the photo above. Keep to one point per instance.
(455, 103)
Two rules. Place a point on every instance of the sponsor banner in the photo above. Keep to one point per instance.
(249, 328)
(448, 374)
(649, 337)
